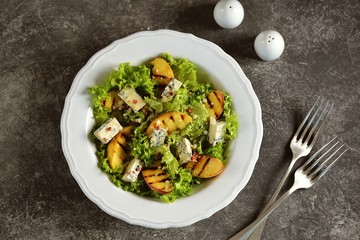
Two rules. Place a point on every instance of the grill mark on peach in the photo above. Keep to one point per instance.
(218, 99)
(217, 96)
(124, 136)
(205, 167)
(121, 145)
(162, 184)
(205, 164)
(157, 178)
(199, 166)
(171, 120)
(208, 101)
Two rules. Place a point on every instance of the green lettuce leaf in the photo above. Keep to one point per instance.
(216, 151)
(179, 103)
(154, 104)
(183, 186)
(196, 131)
(232, 123)
(171, 163)
(140, 145)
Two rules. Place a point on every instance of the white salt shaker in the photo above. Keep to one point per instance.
(228, 13)
(269, 45)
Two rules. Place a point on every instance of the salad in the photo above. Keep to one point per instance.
(160, 129)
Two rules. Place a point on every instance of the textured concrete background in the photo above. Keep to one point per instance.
(43, 45)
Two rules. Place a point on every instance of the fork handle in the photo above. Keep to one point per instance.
(256, 234)
(245, 233)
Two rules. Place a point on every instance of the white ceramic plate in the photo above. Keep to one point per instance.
(77, 122)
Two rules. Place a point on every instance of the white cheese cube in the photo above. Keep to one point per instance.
(184, 151)
(132, 170)
(170, 90)
(132, 98)
(216, 131)
(108, 130)
(157, 137)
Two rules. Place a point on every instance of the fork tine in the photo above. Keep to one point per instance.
(309, 123)
(314, 132)
(317, 161)
(319, 116)
(307, 166)
(325, 170)
(306, 118)
(315, 166)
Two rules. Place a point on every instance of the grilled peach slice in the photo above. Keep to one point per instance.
(162, 68)
(171, 121)
(215, 103)
(158, 180)
(205, 167)
(162, 71)
(112, 100)
(115, 149)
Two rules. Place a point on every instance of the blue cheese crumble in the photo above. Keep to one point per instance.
(170, 90)
(216, 131)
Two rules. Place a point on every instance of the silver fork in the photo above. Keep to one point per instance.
(305, 176)
(301, 145)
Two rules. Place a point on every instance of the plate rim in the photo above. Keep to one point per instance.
(141, 222)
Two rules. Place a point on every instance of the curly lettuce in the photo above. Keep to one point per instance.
(189, 98)
(232, 124)
(137, 77)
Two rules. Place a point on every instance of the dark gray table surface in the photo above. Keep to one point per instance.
(44, 44)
